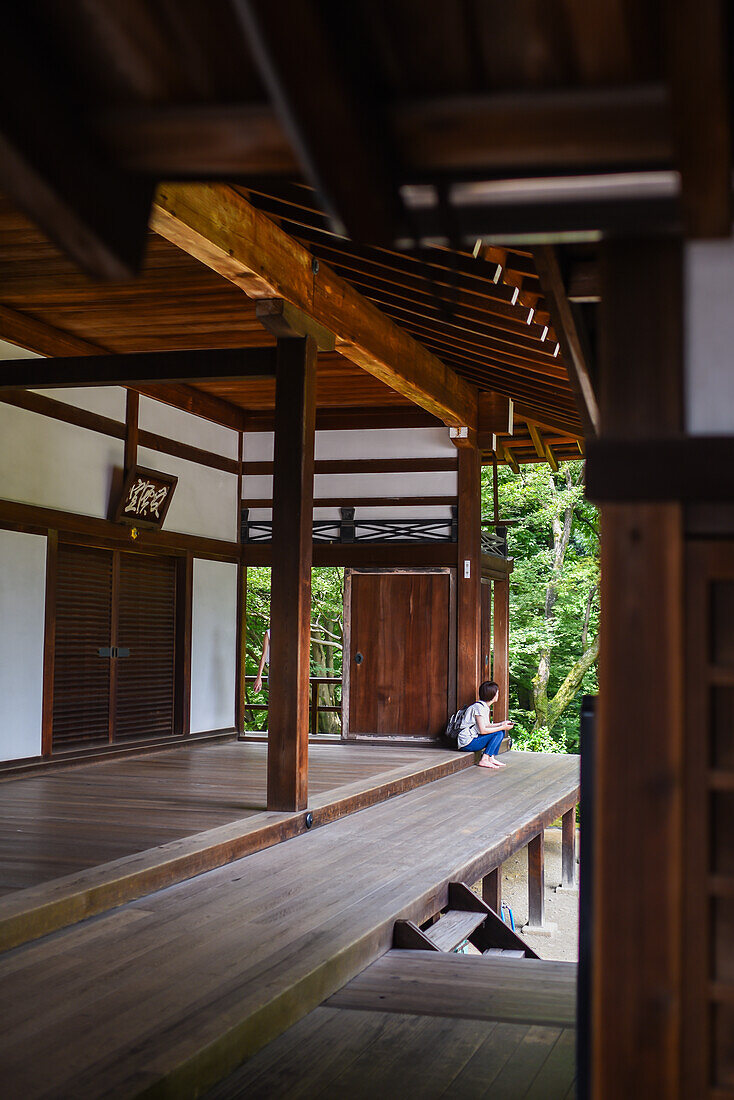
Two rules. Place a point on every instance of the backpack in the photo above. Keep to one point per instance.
(455, 724)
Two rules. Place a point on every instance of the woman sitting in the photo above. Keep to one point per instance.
(478, 731)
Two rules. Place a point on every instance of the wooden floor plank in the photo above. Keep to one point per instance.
(49, 905)
(219, 965)
(529, 991)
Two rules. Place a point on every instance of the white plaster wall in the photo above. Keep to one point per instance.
(709, 337)
(213, 645)
(205, 500)
(22, 611)
(107, 401)
(165, 420)
(364, 444)
(55, 465)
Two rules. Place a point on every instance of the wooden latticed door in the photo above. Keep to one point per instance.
(114, 658)
(399, 667)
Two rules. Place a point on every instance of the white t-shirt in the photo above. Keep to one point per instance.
(470, 729)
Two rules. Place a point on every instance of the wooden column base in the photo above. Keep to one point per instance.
(536, 882)
(568, 850)
(492, 890)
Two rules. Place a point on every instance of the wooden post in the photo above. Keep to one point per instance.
(290, 608)
(314, 708)
(568, 849)
(536, 881)
(637, 932)
(242, 647)
(501, 662)
(468, 633)
(492, 890)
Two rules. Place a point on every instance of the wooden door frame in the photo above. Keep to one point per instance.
(349, 572)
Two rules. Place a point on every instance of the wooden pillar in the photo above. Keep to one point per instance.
(568, 849)
(501, 663)
(485, 667)
(290, 602)
(492, 890)
(536, 881)
(242, 648)
(636, 981)
(468, 624)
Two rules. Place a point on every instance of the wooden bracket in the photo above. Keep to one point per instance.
(285, 320)
(407, 936)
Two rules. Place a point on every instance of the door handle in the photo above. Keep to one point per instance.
(113, 651)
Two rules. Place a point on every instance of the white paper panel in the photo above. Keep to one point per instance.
(165, 420)
(55, 465)
(205, 500)
(22, 610)
(213, 645)
(709, 337)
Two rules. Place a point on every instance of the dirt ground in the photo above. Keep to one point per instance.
(561, 909)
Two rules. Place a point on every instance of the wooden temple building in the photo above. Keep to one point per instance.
(275, 281)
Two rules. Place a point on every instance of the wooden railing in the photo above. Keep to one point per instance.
(315, 707)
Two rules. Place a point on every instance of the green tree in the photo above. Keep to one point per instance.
(327, 626)
(554, 606)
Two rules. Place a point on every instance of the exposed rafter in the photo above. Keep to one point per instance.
(221, 229)
(330, 122)
(568, 336)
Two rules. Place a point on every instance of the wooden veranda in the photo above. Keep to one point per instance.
(512, 222)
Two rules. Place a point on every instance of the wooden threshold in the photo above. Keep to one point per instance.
(38, 910)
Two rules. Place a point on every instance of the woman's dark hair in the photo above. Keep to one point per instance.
(488, 691)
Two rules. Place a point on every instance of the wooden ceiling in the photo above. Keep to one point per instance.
(386, 137)
(177, 304)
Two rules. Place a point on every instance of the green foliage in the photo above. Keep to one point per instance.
(537, 498)
(327, 623)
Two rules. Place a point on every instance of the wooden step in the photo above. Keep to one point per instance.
(452, 928)
(507, 952)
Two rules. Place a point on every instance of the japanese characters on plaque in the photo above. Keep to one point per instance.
(146, 497)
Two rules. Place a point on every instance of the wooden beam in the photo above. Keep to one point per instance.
(290, 640)
(332, 123)
(495, 413)
(330, 418)
(221, 229)
(551, 459)
(138, 368)
(523, 131)
(549, 423)
(536, 438)
(469, 553)
(33, 335)
(284, 320)
(573, 352)
(95, 212)
(698, 64)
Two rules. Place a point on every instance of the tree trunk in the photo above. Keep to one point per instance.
(572, 683)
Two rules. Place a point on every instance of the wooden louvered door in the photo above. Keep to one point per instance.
(81, 710)
(146, 626)
(115, 653)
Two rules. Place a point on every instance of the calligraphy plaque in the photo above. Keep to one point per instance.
(146, 498)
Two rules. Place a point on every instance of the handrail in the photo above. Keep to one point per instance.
(314, 705)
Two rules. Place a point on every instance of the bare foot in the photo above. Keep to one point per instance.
(485, 762)
(498, 763)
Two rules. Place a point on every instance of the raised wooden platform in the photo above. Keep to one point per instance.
(168, 994)
(85, 817)
(429, 1025)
